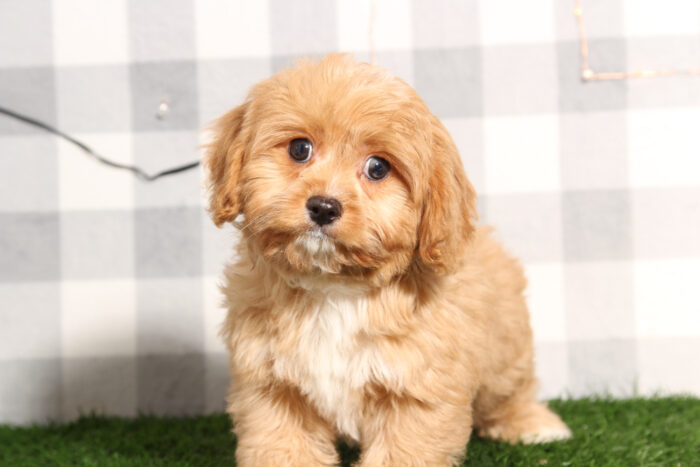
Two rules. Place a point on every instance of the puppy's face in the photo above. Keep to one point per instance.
(339, 169)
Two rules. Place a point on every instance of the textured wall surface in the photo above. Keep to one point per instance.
(108, 297)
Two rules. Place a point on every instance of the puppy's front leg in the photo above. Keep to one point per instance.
(276, 427)
(411, 433)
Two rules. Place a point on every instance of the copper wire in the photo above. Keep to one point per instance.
(587, 73)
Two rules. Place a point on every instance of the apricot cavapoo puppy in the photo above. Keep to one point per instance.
(364, 304)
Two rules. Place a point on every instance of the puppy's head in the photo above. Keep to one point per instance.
(340, 169)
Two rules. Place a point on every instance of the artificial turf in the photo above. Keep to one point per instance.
(644, 432)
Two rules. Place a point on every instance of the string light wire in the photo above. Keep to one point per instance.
(140, 173)
(137, 171)
(587, 73)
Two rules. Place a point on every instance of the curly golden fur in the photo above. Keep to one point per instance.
(399, 326)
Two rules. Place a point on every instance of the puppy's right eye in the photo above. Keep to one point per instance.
(300, 149)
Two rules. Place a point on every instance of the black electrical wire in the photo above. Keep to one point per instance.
(132, 168)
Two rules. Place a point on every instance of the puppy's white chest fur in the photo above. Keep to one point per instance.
(329, 364)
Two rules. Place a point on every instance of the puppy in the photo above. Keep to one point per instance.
(365, 303)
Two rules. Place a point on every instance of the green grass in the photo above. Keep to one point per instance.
(645, 432)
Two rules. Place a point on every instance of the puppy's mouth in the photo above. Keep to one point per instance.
(317, 241)
(322, 231)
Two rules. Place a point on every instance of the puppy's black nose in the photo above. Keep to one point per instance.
(324, 210)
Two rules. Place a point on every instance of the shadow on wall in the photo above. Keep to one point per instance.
(53, 390)
(184, 384)
(151, 276)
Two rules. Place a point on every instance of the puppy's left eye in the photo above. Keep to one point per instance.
(300, 149)
(376, 168)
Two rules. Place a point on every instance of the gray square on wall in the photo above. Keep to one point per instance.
(171, 384)
(576, 95)
(168, 242)
(174, 83)
(529, 224)
(93, 98)
(105, 385)
(39, 400)
(32, 162)
(224, 84)
(29, 247)
(597, 225)
(217, 382)
(29, 91)
(449, 81)
(282, 62)
(218, 245)
(398, 62)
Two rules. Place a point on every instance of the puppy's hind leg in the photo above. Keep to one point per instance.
(517, 416)
(506, 407)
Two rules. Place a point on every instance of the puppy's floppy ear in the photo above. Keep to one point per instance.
(224, 160)
(449, 207)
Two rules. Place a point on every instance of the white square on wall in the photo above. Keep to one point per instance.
(229, 29)
(214, 314)
(98, 318)
(599, 300)
(667, 297)
(658, 18)
(468, 135)
(392, 25)
(552, 369)
(90, 32)
(521, 154)
(545, 300)
(516, 22)
(85, 183)
(668, 365)
(663, 147)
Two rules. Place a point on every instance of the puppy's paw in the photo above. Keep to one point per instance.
(547, 434)
(531, 423)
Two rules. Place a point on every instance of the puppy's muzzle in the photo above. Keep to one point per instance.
(324, 210)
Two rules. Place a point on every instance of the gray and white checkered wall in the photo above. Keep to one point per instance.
(108, 298)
